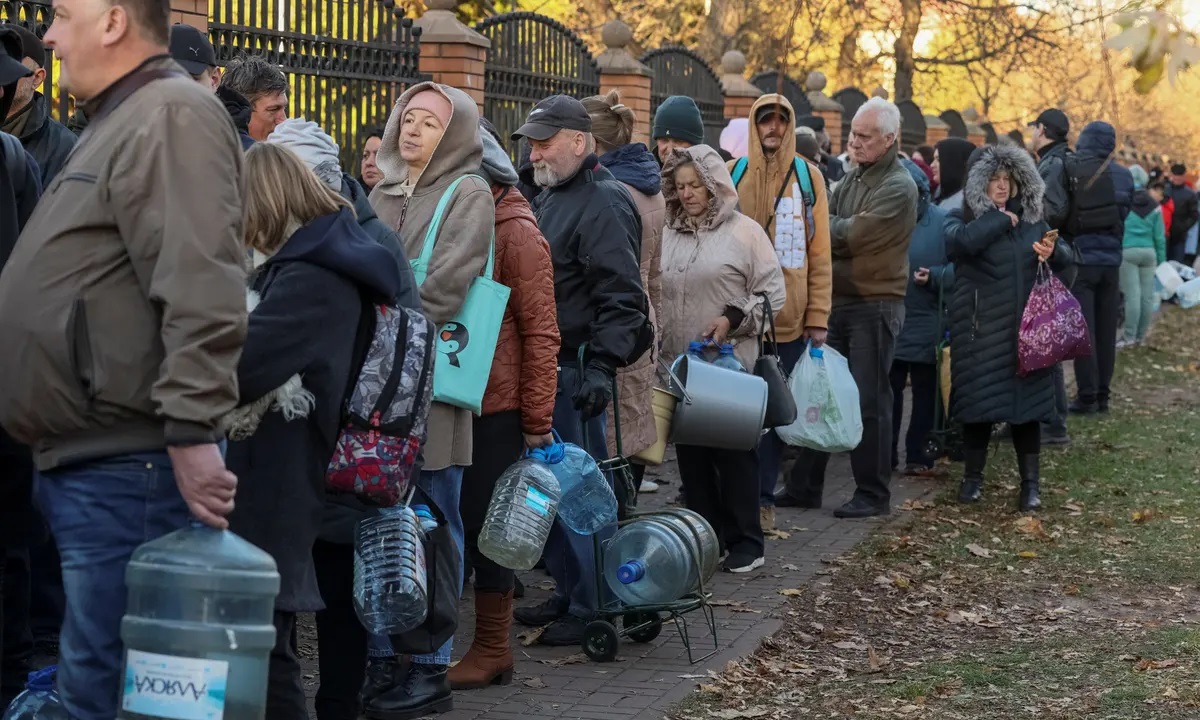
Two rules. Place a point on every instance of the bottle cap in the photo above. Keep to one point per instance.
(695, 345)
(422, 510)
(42, 680)
(550, 454)
(631, 572)
(816, 353)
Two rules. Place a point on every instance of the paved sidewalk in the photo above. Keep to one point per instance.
(647, 679)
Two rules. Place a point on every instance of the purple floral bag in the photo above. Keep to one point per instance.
(1052, 329)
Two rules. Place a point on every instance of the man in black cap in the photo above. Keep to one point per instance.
(191, 48)
(47, 140)
(594, 232)
(1186, 214)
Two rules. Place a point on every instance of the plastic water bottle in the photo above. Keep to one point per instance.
(425, 517)
(726, 359)
(588, 504)
(660, 558)
(697, 350)
(390, 592)
(198, 627)
(39, 700)
(521, 513)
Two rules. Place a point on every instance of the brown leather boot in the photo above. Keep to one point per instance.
(489, 661)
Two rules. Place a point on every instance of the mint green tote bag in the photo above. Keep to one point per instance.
(466, 346)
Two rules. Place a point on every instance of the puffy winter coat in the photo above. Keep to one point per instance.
(918, 339)
(995, 269)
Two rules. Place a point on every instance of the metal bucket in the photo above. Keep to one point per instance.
(718, 408)
(663, 405)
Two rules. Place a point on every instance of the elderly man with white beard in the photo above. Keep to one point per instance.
(594, 232)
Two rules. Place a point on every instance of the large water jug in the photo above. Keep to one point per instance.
(588, 504)
(39, 700)
(521, 513)
(390, 591)
(727, 360)
(198, 627)
(662, 557)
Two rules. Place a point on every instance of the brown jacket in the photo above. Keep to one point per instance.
(123, 305)
(525, 370)
(804, 252)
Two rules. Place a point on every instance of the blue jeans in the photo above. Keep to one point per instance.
(770, 447)
(444, 487)
(571, 557)
(99, 512)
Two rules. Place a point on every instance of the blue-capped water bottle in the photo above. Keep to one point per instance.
(390, 592)
(522, 511)
(39, 700)
(726, 359)
(588, 504)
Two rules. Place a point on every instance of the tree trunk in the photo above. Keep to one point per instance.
(906, 66)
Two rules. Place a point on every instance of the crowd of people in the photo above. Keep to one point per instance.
(132, 236)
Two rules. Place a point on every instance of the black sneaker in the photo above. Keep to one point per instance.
(425, 691)
(544, 614)
(383, 674)
(1080, 407)
(743, 562)
(1055, 439)
(564, 632)
(860, 508)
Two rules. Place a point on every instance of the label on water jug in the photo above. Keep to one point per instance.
(175, 688)
(538, 501)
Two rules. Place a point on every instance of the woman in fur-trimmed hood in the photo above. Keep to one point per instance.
(996, 243)
(716, 266)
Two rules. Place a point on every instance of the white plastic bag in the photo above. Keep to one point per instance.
(1189, 294)
(829, 417)
(1169, 278)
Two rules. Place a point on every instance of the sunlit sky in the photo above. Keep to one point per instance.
(1191, 13)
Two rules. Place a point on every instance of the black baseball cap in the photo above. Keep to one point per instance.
(31, 45)
(557, 112)
(771, 109)
(1055, 121)
(11, 69)
(191, 49)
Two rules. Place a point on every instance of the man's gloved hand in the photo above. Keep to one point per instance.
(595, 389)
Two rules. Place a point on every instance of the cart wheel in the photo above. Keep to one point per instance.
(646, 634)
(933, 448)
(600, 641)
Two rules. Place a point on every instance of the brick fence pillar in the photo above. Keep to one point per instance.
(826, 108)
(620, 70)
(936, 130)
(452, 53)
(975, 132)
(739, 93)
(191, 12)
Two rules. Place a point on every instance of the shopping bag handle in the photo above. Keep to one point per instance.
(550, 454)
(675, 379)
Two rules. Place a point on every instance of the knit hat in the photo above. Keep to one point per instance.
(678, 118)
(496, 165)
(1141, 178)
(805, 130)
(314, 146)
(434, 103)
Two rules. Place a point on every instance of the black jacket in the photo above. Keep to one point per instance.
(1187, 212)
(305, 323)
(379, 232)
(239, 109)
(1052, 166)
(595, 236)
(1098, 141)
(46, 139)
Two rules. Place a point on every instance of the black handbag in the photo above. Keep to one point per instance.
(443, 584)
(781, 406)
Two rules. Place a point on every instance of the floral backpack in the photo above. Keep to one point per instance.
(387, 407)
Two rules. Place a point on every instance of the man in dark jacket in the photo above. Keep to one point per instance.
(192, 49)
(1050, 146)
(260, 85)
(1186, 215)
(46, 139)
(1101, 196)
(594, 232)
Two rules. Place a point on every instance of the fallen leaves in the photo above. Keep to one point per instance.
(1144, 515)
(535, 683)
(576, 659)
(1147, 664)
(530, 637)
(979, 551)
(791, 592)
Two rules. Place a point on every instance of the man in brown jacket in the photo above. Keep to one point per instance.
(123, 313)
(786, 195)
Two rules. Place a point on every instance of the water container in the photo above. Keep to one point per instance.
(588, 504)
(660, 558)
(198, 627)
(425, 517)
(521, 513)
(390, 591)
(726, 359)
(698, 350)
(39, 700)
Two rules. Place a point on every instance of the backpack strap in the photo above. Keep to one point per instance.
(803, 173)
(739, 170)
(420, 266)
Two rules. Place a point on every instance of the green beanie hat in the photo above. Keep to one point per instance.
(679, 118)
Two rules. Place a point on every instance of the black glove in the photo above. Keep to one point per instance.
(595, 390)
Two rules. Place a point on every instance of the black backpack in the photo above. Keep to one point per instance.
(1093, 197)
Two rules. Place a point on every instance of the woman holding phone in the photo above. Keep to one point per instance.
(998, 242)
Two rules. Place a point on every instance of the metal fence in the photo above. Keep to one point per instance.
(912, 125)
(768, 82)
(532, 57)
(37, 16)
(851, 99)
(348, 60)
(679, 71)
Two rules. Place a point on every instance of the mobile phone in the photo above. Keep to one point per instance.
(1050, 236)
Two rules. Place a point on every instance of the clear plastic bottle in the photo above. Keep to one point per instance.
(39, 700)
(588, 504)
(726, 359)
(521, 513)
(660, 558)
(198, 628)
(389, 572)
(426, 518)
(698, 350)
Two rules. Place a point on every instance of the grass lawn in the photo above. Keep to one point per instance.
(1088, 608)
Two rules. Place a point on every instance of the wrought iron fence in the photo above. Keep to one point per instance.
(851, 99)
(679, 71)
(36, 17)
(768, 82)
(912, 125)
(348, 60)
(958, 126)
(532, 57)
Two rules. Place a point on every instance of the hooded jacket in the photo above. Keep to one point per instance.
(46, 139)
(1099, 141)
(1052, 167)
(994, 271)
(919, 336)
(463, 240)
(952, 155)
(872, 216)
(239, 110)
(1144, 227)
(803, 251)
(312, 292)
(1185, 211)
(722, 260)
(636, 168)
